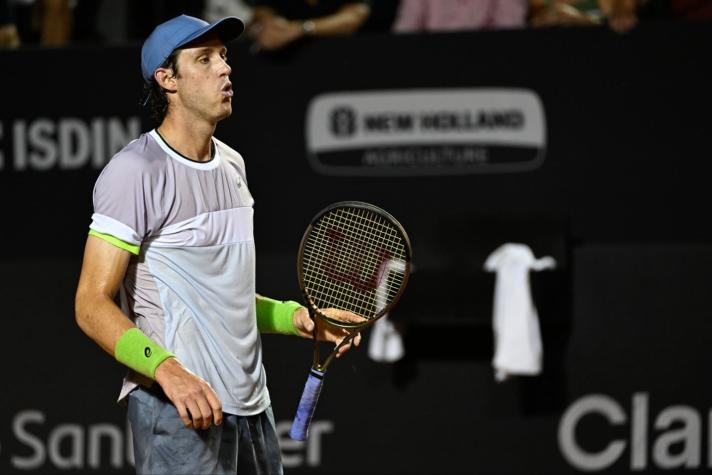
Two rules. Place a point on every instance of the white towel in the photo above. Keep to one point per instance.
(385, 343)
(518, 348)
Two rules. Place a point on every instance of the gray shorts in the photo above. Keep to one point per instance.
(162, 444)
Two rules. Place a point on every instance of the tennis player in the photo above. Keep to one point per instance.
(172, 229)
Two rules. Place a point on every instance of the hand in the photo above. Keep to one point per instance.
(277, 33)
(623, 23)
(9, 37)
(195, 400)
(326, 331)
(560, 14)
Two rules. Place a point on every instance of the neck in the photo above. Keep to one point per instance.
(189, 138)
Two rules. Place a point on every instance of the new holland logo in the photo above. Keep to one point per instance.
(343, 122)
(426, 132)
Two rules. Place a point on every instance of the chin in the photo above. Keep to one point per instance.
(227, 112)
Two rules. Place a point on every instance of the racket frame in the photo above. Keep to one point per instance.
(314, 311)
(310, 395)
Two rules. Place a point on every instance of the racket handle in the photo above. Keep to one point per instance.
(307, 405)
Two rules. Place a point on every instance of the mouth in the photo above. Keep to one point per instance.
(227, 90)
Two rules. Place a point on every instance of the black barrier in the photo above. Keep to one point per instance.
(611, 132)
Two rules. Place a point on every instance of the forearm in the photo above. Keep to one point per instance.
(103, 269)
(344, 22)
(96, 313)
(262, 14)
(101, 320)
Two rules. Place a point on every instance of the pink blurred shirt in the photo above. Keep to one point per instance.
(449, 15)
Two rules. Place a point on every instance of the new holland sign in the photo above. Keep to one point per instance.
(426, 132)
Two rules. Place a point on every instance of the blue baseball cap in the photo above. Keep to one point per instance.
(178, 32)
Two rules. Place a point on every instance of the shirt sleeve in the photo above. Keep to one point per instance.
(410, 17)
(510, 13)
(123, 204)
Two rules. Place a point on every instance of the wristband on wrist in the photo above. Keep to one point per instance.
(140, 353)
(274, 316)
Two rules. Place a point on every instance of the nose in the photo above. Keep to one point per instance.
(226, 70)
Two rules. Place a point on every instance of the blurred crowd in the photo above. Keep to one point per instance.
(275, 24)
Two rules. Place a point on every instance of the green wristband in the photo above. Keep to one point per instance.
(274, 316)
(140, 353)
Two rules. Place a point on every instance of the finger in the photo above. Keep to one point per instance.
(195, 414)
(304, 321)
(333, 313)
(335, 335)
(205, 411)
(357, 339)
(215, 405)
(183, 413)
(353, 318)
(344, 348)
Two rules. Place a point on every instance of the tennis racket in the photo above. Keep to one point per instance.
(356, 257)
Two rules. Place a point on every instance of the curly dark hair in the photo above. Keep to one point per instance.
(155, 96)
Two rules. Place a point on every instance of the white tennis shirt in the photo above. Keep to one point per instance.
(191, 284)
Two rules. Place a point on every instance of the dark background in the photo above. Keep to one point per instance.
(621, 201)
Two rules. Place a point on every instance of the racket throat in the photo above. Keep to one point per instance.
(316, 364)
(323, 367)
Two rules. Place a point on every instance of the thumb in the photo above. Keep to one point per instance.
(305, 321)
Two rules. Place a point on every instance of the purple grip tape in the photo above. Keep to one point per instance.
(305, 411)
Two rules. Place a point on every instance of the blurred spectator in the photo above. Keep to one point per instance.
(277, 23)
(621, 15)
(692, 9)
(450, 15)
(55, 22)
(565, 13)
(9, 37)
(43, 22)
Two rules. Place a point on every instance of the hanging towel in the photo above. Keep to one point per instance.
(518, 348)
(385, 344)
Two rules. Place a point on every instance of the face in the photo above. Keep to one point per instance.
(202, 86)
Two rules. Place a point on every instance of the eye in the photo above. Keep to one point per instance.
(203, 60)
(224, 56)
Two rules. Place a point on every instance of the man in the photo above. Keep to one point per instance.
(9, 37)
(459, 15)
(278, 23)
(172, 227)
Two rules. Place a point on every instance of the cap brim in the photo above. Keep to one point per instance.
(227, 29)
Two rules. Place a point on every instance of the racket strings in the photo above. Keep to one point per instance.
(372, 267)
(354, 259)
(379, 233)
(327, 294)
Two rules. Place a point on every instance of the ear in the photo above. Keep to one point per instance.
(166, 79)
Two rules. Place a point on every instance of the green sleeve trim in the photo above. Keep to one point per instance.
(140, 353)
(274, 316)
(116, 242)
